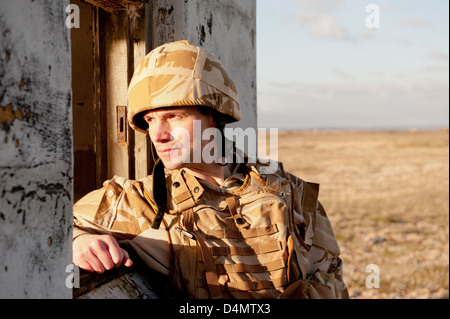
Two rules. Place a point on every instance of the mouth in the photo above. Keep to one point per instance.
(166, 152)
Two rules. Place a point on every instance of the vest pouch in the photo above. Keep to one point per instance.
(307, 289)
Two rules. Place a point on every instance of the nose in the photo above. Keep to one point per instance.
(160, 131)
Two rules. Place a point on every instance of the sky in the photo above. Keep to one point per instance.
(327, 64)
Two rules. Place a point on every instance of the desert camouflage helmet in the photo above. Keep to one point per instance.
(181, 74)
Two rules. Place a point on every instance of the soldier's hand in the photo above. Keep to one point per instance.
(97, 253)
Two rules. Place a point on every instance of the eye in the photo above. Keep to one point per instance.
(174, 117)
(148, 119)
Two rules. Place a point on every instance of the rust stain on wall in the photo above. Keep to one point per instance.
(8, 115)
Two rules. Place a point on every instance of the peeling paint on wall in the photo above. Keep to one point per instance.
(35, 149)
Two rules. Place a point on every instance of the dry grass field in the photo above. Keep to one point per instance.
(387, 195)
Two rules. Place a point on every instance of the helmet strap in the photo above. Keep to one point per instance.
(159, 192)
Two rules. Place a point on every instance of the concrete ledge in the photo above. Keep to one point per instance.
(121, 283)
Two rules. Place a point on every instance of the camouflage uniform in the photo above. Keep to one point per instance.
(285, 240)
(259, 235)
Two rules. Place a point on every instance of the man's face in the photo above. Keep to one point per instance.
(176, 134)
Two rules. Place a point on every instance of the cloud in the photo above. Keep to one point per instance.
(322, 25)
(364, 105)
(344, 75)
(318, 17)
(438, 56)
(413, 23)
(321, 5)
(405, 42)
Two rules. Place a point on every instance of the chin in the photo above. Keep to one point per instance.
(168, 164)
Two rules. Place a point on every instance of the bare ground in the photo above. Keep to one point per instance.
(387, 195)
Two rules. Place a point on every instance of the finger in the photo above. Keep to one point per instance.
(85, 266)
(126, 259)
(103, 259)
(96, 265)
(115, 251)
(87, 261)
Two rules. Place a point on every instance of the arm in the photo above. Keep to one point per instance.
(325, 264)
(118, 213)
(99, 253)
(321, 276)
(94, 247)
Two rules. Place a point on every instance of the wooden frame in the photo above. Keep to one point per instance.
(119, 43)
(114, 5)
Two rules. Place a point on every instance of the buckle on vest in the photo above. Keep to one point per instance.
(238, 218)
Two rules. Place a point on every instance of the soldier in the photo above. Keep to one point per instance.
(218, 229)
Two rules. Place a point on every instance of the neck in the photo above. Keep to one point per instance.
(214, 173)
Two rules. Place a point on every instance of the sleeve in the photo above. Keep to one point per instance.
(84, 213)
(324, 277)
(325, 265)
(97, 212)
(121, 210)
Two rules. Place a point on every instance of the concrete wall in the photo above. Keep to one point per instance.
(36, 122)
(35, 149)
(227, 28)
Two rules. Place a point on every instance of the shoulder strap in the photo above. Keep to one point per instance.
(211, 273)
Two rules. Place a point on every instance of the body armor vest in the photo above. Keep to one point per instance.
(239, 244)
(267, 238)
